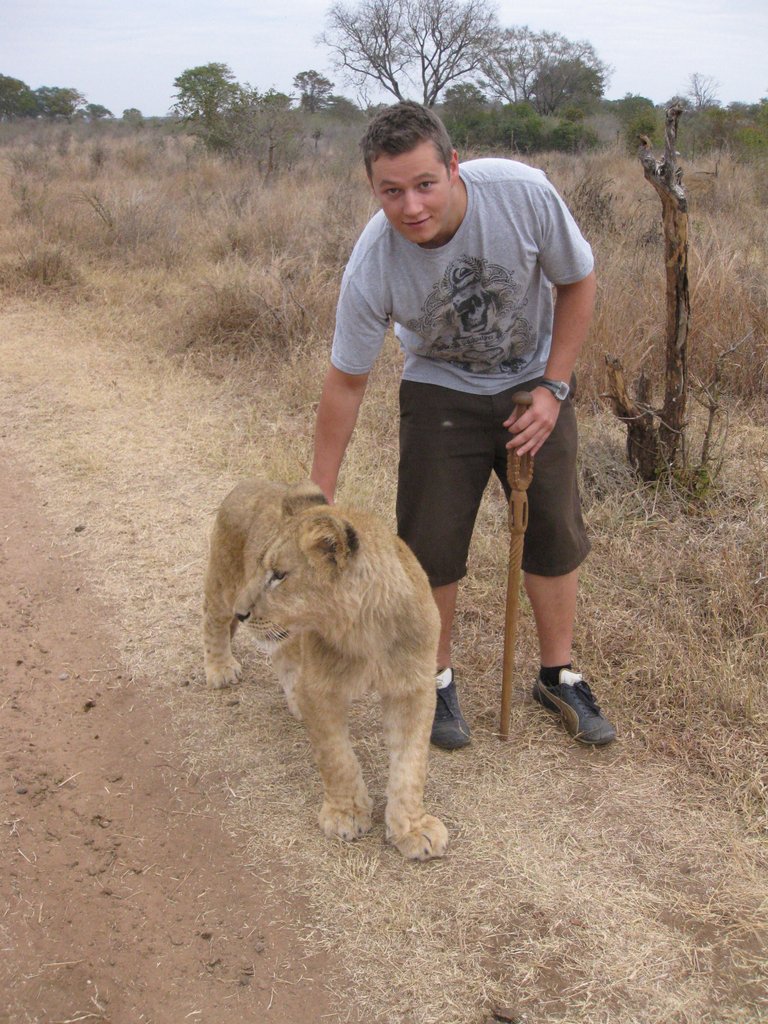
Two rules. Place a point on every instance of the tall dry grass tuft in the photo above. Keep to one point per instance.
(39, 267)
(243, 309)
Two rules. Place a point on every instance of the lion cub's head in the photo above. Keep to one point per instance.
(312, 547)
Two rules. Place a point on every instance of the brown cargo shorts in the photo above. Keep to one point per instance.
(450, 442)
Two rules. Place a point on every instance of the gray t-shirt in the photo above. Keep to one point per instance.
(476, 313)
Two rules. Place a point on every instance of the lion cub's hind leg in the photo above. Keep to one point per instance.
(346, 809)
(221, 668)
(407, 726)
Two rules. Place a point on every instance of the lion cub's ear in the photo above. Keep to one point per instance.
(300, 496)
(327, 539)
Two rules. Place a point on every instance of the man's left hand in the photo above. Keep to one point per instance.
(530, 427)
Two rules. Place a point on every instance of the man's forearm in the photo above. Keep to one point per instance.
(336, 418)
(573, 314)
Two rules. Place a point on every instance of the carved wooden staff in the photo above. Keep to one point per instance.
(519, 476)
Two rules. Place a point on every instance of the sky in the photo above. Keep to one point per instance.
(128, 53)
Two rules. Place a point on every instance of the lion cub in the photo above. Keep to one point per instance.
(345, 608)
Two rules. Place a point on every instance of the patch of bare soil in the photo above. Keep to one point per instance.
(122, 897)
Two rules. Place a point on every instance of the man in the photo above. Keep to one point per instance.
(462, 261)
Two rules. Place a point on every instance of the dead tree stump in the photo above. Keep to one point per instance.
(656, 442)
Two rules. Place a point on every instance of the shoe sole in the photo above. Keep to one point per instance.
(550, 702)
(462, 741)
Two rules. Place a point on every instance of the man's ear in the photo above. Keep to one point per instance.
(328, 540)
(301, 496)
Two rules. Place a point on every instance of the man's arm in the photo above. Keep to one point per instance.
(336, 417)
(573, 314)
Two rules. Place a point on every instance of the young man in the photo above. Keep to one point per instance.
(462, 259)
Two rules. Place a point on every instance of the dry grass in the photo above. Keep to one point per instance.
(621, 215)
(590, 887)
(40, 268)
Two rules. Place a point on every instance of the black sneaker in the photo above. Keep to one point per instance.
(572, 699)
(449, 730)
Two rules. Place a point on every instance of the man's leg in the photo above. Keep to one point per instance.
(553, 600)
(556, 544)
(449, 729)
(445, 599)
(447, 446)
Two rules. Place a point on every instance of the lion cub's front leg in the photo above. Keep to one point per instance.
(286, 663)
(407, 726)
(346, 810)
(221, 668)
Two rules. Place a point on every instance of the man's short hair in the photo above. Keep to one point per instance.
(401, 128)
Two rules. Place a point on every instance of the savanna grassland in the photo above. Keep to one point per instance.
(165, 326)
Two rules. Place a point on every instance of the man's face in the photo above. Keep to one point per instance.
(422, 199)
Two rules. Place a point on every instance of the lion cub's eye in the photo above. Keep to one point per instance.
(275, 576)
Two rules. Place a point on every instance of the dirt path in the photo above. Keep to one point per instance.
(123, 899)
(172, 869)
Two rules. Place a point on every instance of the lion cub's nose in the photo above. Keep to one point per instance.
(242, 616)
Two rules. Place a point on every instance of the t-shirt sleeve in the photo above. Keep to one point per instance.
(565, 255)
(360, 329)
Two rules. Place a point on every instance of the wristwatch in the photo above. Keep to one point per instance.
(559, 388)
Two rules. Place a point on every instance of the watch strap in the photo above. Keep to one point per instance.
(559, 388)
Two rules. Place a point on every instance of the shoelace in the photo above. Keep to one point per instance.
(444, 707)
(586, 695)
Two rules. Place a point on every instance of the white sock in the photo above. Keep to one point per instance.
(444, 678)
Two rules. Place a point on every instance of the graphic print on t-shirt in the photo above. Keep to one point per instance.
(472, 317)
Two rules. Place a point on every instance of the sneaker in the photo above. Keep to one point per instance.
(572, 699)
(449, 730)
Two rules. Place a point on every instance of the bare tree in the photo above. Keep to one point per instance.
(702, 91)
(545, 69)
(367, 43)
(511, 66)
(399, 44)
(656, 438)
(449, 40)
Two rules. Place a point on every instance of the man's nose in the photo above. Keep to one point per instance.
(412, 202)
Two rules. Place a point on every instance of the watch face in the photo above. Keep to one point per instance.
(559, 388)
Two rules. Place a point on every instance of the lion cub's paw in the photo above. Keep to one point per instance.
(218, 676)
(429, 839)
(345, 822)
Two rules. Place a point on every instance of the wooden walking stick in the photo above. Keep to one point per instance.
(519, 476)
